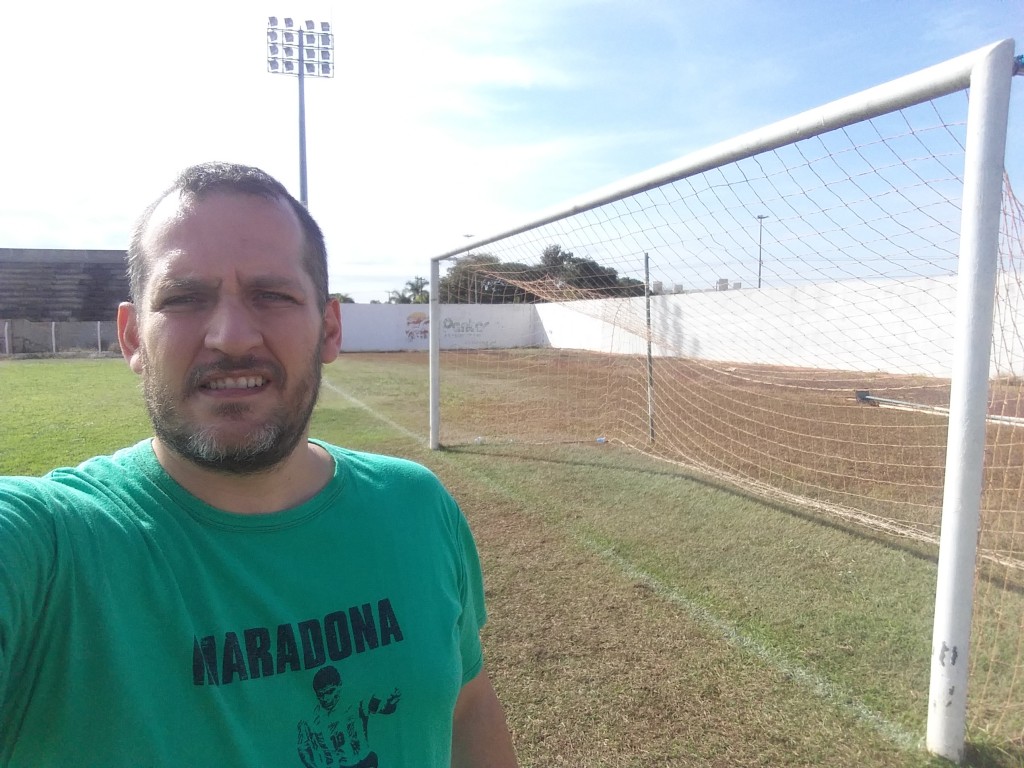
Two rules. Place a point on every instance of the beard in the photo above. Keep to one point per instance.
(258, 449)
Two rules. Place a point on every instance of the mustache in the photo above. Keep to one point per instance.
(230, 366)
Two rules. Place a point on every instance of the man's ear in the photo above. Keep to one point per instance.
(128, 335)
(331, 345)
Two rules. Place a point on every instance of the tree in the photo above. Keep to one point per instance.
(462, 283)
(481, 278)
(343, 298)
(415, 289)
(559, 275)
(554, 256)
(415, 292)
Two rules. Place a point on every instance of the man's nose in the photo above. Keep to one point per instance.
(233, 329)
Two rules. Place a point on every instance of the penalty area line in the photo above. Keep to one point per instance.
(376, 414)
(821, 687)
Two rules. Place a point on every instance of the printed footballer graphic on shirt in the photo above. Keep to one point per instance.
(338, 732)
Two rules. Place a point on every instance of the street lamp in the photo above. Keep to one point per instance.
(760, 234)
(303, 51)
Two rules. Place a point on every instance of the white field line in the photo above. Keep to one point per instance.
(821, 687)
(376, 414)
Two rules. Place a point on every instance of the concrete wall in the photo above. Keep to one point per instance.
(896, 327)
(403, 327)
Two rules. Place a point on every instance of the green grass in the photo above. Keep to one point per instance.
(638, 617)
(60, 412)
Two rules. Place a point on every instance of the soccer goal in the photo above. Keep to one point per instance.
(805, 312)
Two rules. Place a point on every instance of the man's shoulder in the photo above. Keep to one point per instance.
(67, 487)
(376, 462)
(392, 474)
(119, 461)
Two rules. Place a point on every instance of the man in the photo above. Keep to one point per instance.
(172, 604)
(340, 735)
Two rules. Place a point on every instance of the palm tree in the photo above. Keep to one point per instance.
(415, 289)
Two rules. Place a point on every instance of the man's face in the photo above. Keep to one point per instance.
(227, 334)
(328, 696)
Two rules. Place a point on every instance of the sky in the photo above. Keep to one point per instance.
(445, 119)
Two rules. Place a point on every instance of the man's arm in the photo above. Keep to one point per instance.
(388, 707)
(480, 737)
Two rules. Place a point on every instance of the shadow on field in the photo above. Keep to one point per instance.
(916, 549)
(629, 462)
(992, 756)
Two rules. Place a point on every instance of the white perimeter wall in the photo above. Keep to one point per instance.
(899, 327)
(404, 327)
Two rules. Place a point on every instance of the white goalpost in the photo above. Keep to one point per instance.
(989, 82)
(744, 310)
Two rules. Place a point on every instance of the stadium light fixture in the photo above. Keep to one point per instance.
(302, 51)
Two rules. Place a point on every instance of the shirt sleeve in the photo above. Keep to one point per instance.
(474, 610)
(27, 558)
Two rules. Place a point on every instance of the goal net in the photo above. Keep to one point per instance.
(780, 319)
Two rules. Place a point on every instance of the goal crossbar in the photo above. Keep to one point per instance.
(935, 81)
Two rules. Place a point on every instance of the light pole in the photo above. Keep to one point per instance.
(304, 52)
(760, 235)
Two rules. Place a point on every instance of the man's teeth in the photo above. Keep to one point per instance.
(242, 382)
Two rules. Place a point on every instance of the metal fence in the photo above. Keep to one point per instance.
(30, 337)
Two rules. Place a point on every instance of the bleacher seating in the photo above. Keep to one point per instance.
(42, 284)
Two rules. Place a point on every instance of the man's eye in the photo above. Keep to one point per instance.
(275, 297)
(178, 301)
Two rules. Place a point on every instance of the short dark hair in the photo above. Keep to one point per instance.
(197, 182)
(326, 676)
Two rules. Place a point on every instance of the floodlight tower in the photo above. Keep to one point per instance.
(303, 51)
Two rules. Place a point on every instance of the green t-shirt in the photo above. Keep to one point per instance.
(142, 627)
